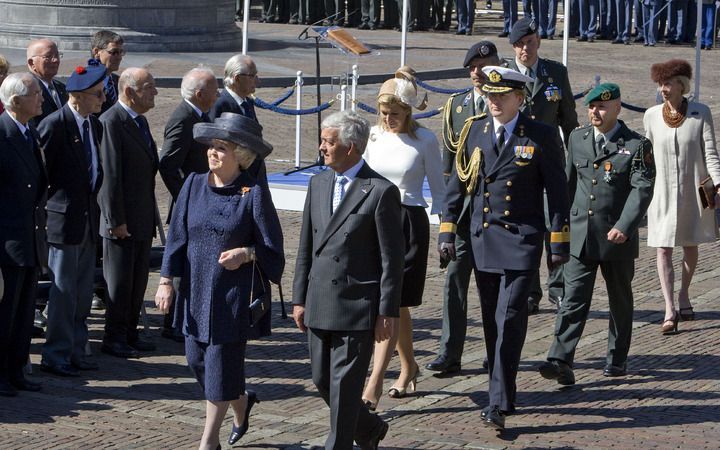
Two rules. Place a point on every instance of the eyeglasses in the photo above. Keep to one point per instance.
(98, 94)
(57, 57)
(115, 52)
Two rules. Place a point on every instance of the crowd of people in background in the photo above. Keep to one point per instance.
(78, 164)
(649, 22)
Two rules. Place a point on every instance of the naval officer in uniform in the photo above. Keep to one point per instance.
(550, 100)
(505, 161)
(458, 109)
(611, 176)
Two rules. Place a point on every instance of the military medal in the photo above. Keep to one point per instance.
(608, 172)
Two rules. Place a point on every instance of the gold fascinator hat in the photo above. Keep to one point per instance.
(404, 88)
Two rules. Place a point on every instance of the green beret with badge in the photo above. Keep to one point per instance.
(603, 93)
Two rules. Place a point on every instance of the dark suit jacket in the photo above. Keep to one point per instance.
(508, 218)
(108, 101)
(127, 195)
(49, 106)
(226, 103)
(618, 202)
(72, 205)
(23, 193)
(350, 264)
(556, 110)
(181, 155)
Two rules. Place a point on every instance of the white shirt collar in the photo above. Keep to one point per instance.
(524, 69)
(238, 99)
(509, 127)
(195, 108)
(129, 110)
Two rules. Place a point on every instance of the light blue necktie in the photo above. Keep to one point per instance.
(339, 193)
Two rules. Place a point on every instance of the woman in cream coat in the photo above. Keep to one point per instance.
(685, 152)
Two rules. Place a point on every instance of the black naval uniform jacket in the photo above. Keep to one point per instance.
(609, 190)
(508, 219)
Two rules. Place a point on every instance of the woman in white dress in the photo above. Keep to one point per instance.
(405, 153)
(683, 139)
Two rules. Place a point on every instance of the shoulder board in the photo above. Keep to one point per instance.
(459, 93)
(477, 117)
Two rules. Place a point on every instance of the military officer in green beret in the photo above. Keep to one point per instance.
(611, 174)
(549, 99)
(458, 109)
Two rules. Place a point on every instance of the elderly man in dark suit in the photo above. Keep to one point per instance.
(510, 159)
(240, 80)
(108, 48)
(611, 173)
(43, 61)
(127, 205)
(182, 155)
(23, 248)
(550, 100)
(70, 139)
(348, 277)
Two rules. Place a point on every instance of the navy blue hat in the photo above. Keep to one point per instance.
(83, 78)
(234, 128)
(523, 27)
(482, 49)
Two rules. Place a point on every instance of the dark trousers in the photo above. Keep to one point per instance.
(455, 293)
(126, 264)
(439, 17)
(570, 321)
(555, 283)
(370, 12)
(503, 297)
(466, 14)
(17, 312)
(510, 14)
(339, 362)
(391, 15)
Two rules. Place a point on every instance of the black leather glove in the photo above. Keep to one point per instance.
(556, 260)
(446, 250)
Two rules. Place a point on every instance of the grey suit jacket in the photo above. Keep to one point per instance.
(127, 195)
(350, 264)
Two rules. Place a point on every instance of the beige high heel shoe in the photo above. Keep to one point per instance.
(400, 392)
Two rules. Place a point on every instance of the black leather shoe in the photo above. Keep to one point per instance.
(120, 350)
(173, 334)
(238, 432)
(142, 346)
(494, 418)
(558, 370)
(614, 371)
(84, 364)
(23, 384)
(63, 370)
(374, 441)
(533, 306)
(443, 365)
(7, 389)
(485, 363)
(504, 34)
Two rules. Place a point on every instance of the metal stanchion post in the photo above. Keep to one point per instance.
(298, 106)
(354, 86)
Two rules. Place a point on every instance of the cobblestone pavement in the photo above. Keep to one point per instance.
(669, 399)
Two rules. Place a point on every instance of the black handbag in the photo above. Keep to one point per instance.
(259, 303)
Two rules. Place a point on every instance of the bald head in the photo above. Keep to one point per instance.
(199, 86)
(43, 59)
(137, 89)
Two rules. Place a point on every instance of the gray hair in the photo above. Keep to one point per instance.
(195, 80)
(352, 128)
(235, 66)
(16, 84)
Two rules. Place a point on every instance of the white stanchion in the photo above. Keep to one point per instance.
(566, 31)
(298, 105)
(246, 20)
(353, 91)
(343, 97)
(698, 43)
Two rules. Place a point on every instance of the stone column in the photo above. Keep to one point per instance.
(145, 25)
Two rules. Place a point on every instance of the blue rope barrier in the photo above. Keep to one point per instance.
(285, 96)
(292, 112)
(367, 108)
(427, 87)
(633, 108)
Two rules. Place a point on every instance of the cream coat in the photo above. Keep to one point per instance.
(683, 156)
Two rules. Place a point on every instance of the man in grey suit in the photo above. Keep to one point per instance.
(348, 277)
(127, 205)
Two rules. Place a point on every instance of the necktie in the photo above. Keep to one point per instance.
(88, 150)
(54, 95)
(205, 118)
(339, 193)
(600, 145)
(145, 129)
(500, 139)
(29, 139)
(249, 108)
(110, 92)
(479, 107)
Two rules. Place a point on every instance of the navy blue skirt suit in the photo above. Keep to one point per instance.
(213, 302)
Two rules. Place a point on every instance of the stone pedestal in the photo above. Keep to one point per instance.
(145, 25)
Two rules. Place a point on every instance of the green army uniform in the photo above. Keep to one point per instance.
(611, 187)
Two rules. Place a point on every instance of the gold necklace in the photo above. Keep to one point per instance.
(674, 119)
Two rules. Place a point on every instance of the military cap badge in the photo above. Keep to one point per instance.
(495, 76)
(605, 96)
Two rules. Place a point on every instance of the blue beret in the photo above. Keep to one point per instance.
(603, 92)
(523, 27)
(85, 77)
(482, 49)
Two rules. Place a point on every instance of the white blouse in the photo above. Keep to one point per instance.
(406, 162)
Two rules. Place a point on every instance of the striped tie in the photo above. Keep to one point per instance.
(110, 92)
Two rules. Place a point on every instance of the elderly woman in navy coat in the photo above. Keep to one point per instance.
(225, 227)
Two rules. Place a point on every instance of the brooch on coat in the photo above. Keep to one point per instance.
(244, 190)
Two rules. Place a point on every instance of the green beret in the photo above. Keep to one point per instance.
(603, 92)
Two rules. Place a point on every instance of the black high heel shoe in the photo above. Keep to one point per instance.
(687, 314)
(238, 432)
